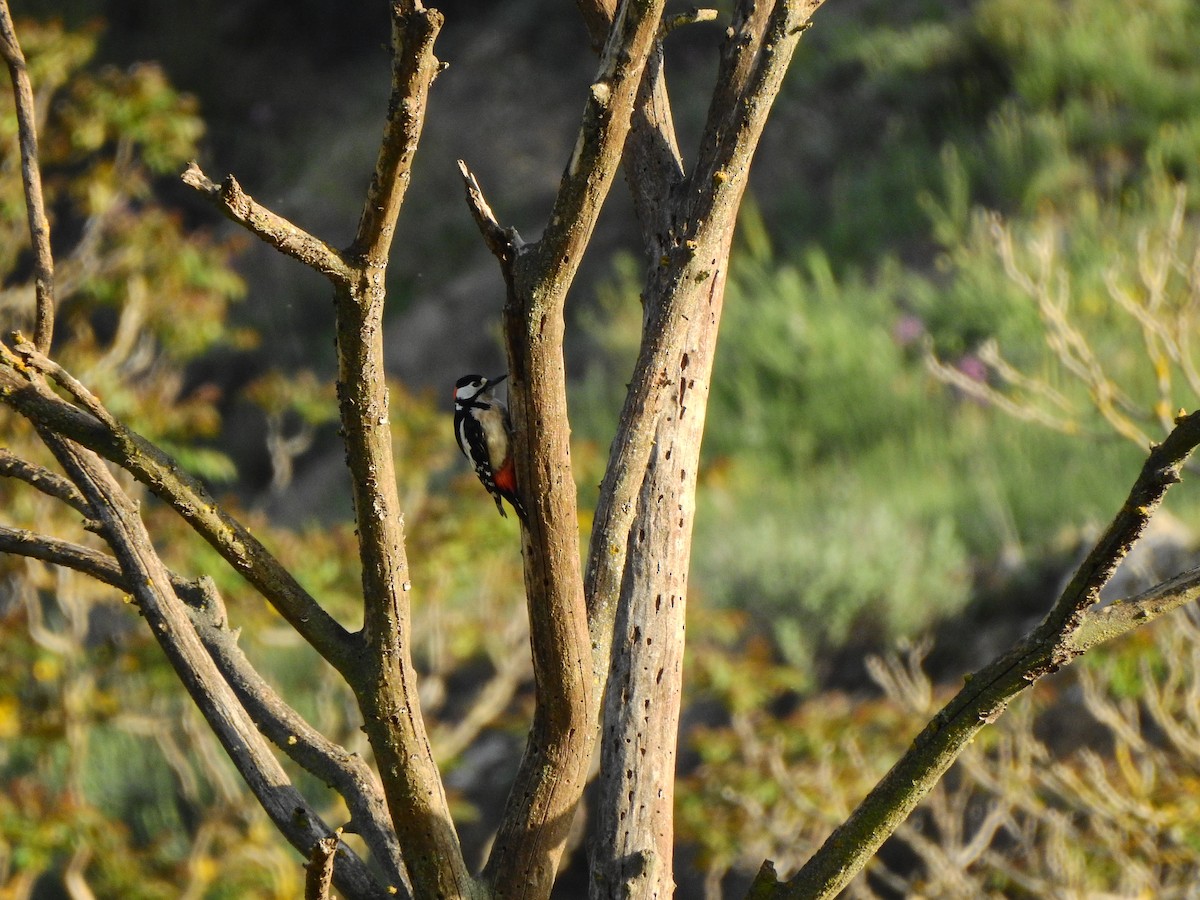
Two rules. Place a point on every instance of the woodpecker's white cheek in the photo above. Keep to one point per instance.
(467, 392)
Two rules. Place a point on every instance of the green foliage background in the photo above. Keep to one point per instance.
(848, 494)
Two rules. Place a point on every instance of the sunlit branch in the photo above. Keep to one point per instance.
(271, 227)
(31, 176)
(1070, 627)
(347, 773)
(166, 615)
(185, 494)
(49, 483)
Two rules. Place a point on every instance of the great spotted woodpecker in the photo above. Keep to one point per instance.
(484, 434)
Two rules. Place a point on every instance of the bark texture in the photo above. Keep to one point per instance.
(639, 635)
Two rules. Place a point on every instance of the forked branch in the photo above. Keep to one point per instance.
(550, 780)
(694, 228)
(164, 477)
(346, 773)
(382, 677)
(637, 570)
(167, 618)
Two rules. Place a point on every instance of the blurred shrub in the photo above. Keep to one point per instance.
(1115, 296)
(1085, 789)
(807, 367)
(1043, 103)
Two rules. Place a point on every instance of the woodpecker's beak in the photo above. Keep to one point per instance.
(497, 380)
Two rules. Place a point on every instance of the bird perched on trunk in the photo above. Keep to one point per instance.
(485, 436)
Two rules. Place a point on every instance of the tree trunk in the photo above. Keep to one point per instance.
(642, 702)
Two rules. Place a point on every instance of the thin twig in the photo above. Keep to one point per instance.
(503, 242)
(31, 176)
(986, 394)
(49, 483)
(273, 228)
(989, 354)
(167, 480)
(1122, 616)
(690, 17)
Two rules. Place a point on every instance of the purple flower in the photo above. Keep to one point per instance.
(907, 330)
(973, 367)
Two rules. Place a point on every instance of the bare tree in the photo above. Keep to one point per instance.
(607, 637)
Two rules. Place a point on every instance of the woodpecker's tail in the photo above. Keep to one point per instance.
(518, 508)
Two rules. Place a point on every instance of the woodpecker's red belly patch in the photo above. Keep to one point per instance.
(506, 477)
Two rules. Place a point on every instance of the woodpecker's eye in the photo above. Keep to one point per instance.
(469, 386)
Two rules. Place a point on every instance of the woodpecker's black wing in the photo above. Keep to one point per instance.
(469, 433)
